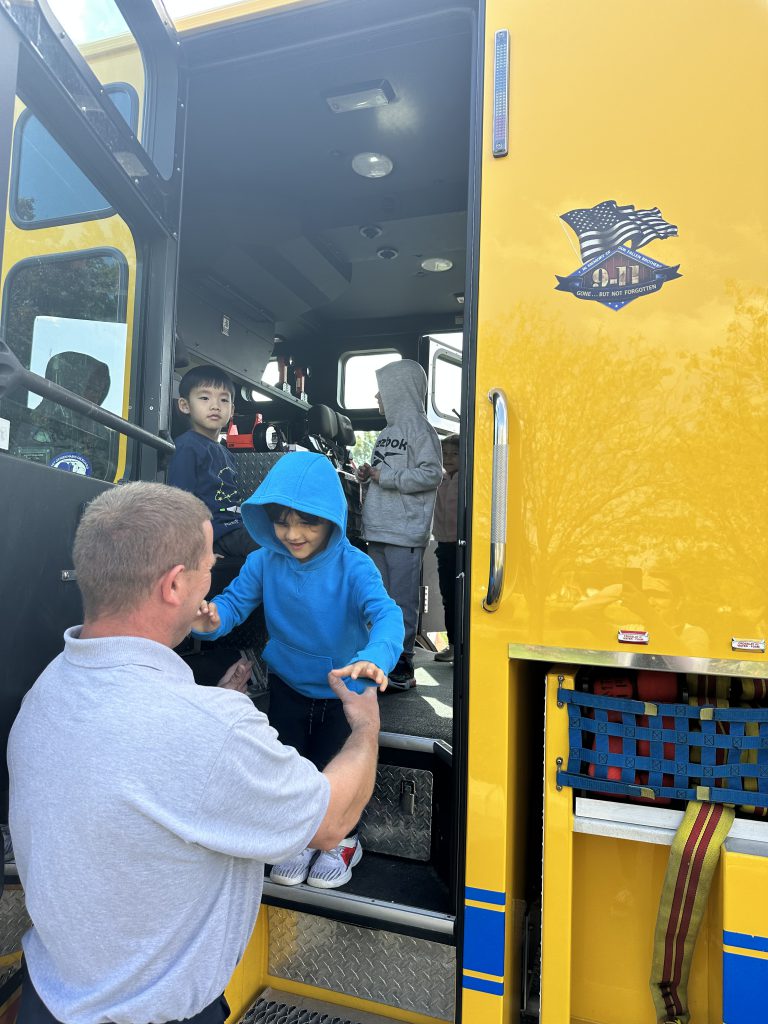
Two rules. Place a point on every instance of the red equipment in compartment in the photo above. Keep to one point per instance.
(237, 440)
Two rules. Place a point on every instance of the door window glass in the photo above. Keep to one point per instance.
(446, 385)
(270, 376)
(358, 377)
(101, 34)
(180, 9)
(65, 319)
(445, 381)
(48, 186)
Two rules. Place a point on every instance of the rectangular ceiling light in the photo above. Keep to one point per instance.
(362, 96)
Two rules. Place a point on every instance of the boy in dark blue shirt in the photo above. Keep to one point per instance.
(205, 467)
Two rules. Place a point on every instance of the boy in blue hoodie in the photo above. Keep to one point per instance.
(327, 612)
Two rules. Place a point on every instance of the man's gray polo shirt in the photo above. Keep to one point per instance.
(143, 809)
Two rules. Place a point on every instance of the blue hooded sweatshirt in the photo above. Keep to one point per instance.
(317, 611)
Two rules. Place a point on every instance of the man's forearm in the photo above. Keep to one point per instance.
(352, 775)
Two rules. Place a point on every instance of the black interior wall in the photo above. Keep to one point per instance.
(323, 354)
(37, 549)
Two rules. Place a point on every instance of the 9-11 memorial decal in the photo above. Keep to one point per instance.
(613, 272)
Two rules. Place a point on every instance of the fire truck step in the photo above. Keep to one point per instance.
(276, 1007)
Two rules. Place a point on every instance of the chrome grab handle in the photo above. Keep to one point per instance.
(498, 499)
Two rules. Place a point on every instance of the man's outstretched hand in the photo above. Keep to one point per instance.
(361, 709)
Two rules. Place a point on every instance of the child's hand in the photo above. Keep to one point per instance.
(360, 709)
(374, 474)
(237, 675)
(363, 472)
(207, 619)
(362, 670)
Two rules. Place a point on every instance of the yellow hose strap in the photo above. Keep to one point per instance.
(692, 862)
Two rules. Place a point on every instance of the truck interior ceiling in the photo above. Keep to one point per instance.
(325, 197)
(280, 230)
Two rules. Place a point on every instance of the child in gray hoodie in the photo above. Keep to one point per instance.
(402, 480)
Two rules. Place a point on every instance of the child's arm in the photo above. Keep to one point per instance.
(182, 469)
(233, 605)
(424, 475)
(385, 639)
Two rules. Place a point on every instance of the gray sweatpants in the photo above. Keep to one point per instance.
(400, 569)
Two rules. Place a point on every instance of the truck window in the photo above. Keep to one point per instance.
(446, 388)
(358, 385)
(48, 187)
(65, 319)
(445, 369)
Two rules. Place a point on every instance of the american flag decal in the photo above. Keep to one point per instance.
(608, 225)
(613, 271)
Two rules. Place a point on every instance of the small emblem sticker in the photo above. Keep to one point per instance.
(613, 272)
(633, 636)
(748, 645)
(72, 462)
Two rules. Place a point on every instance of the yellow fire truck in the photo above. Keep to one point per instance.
(561, 211)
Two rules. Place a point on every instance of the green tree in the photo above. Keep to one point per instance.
(363, 448)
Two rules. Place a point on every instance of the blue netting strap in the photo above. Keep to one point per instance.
(704, 793)
(629, 747)
(762, 758)
(638, 707)
(575, 737)
(685, 752)
(601, 743)
(682, 738)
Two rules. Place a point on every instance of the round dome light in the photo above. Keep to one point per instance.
(372, 165)
(436, 264)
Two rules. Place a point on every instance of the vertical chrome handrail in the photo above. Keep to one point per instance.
(498, 499)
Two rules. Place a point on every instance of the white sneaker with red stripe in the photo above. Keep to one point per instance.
(334, 867)
(293, 871)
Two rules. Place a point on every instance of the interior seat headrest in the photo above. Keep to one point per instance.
(346, 434)
(322, 421)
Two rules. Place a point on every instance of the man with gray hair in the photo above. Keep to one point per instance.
(144, 807)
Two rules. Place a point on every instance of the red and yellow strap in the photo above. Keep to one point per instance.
(692, 862)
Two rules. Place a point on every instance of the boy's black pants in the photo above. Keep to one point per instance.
(317, 728)
(446, 575)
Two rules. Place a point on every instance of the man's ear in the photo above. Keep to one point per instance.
(170, 586)
(183, 406)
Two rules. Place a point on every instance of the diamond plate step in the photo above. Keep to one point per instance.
(276, 1007)
(379, 966)
(389, 824)
(14, 920)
